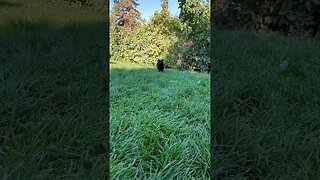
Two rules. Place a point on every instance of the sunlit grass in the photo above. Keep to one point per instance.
(159, 123)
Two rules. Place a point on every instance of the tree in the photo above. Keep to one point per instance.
(164, 22)
(165, 7)
(196, 14)
(125, 14)
(195, 36)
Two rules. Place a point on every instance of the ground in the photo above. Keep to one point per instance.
(53, 104)
(159, 123)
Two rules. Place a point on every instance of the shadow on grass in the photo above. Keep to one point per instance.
(9, 4)
(53, 100)
(265, 116)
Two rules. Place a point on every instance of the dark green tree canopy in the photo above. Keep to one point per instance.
(292, 17)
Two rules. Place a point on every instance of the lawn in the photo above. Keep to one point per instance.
(52, 90)
(159, 123)
(266, 118)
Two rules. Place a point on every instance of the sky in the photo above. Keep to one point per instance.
(147, 7)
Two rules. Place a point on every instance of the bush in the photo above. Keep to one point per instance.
(193, 50)
(191, 54)
(185, 46)
(143, 46)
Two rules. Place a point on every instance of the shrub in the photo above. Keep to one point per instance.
(193, 49)
(191, 54)
(185, 46)
(143, 46)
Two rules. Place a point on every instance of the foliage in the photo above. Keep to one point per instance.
(183, 43)
(144, 45)
(200, 52)
(169, 28)
(292, 17)
(164, 22)
(85, 2)
(194, 50)
(196, 14)
(192, 54)
(125, 14)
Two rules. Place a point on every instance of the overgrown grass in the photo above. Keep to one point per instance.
(52, 91)
(52, 108)
(159, 123)
(267, 119)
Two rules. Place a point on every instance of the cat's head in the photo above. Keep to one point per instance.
(160, 60)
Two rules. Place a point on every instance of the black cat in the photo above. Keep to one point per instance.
(160, 65)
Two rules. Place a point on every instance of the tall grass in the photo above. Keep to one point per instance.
(53, 104)
(266, 117)
(159, 124)
(52, 91)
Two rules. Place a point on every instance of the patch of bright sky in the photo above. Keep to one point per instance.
(148, 7)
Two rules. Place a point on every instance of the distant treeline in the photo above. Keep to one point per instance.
(294, 17)
(86, 2)
(183, 42)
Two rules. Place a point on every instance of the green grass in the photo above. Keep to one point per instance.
(159, 123)
(52, 91)
(267, 119)
(53, 104)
